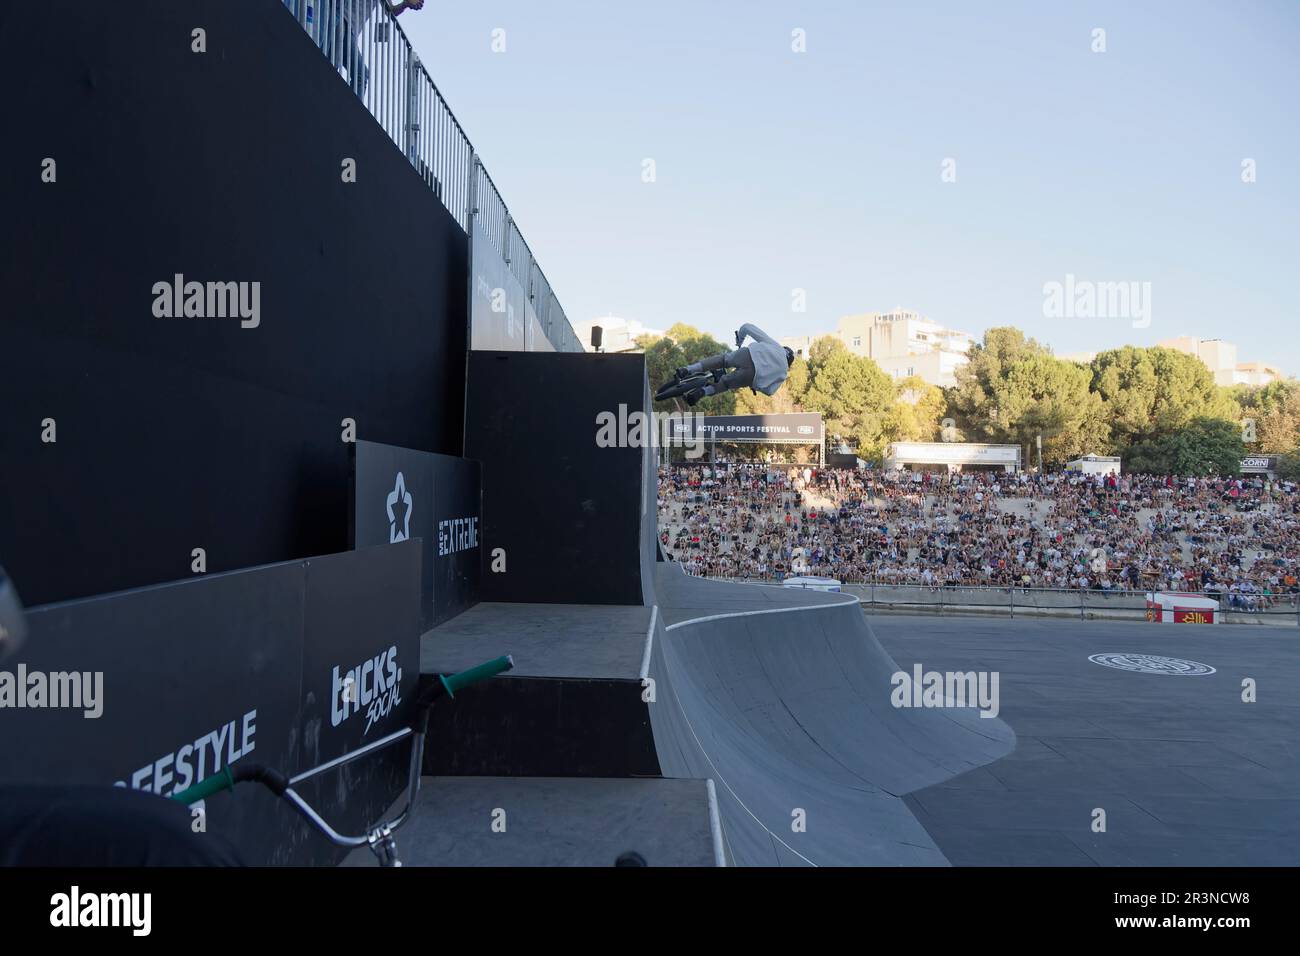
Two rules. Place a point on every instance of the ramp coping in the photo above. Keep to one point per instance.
(771, 610)
(715, 825)
(649, 642)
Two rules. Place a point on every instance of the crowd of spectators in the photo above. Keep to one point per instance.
(1234, 538)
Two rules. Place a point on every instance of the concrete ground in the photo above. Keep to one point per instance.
(1186, 772)
(554, 821)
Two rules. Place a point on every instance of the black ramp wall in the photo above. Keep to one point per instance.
(567, 512)
(169, 684)
(221, 166)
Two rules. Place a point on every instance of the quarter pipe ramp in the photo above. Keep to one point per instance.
(782, 697)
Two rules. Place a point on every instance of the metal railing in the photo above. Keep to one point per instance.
(499, 228)
(1084, 604)
(365, 43)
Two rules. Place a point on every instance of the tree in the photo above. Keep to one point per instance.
(853, 395)
(1048, 397)
(1155, 392)
(1259, 400)
(822, 349)
(1013, 390)
(1204, 447)
(974, 400)
(1288, 465)
(1274, 412)
(917, 412)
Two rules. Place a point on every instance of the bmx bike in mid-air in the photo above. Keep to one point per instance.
(691, 385)
(379, 837)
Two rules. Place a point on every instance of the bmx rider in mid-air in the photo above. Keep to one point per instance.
(762, 365)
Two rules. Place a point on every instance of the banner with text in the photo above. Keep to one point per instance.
(399, 493)
(793, 429)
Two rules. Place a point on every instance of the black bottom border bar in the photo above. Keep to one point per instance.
(333, 905)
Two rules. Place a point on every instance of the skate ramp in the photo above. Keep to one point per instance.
(782, 697)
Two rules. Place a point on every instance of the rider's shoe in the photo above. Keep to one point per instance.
(694, 395)
(682, 373)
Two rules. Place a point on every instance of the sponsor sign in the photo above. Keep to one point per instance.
(365, 662)
(399, 494)
(1259, 464)
(794, 429)
(1180, 608)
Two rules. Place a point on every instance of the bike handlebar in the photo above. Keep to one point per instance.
(475, 674)
(453, 682)
(206, 788)
(227, 777)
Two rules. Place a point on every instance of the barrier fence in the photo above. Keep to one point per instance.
(364, 42)
(1280, 609)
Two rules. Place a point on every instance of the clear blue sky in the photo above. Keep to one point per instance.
(821, 170)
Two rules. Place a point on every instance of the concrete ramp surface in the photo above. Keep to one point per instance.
(782, 697)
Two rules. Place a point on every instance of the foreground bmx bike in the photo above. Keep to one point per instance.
(380, 837)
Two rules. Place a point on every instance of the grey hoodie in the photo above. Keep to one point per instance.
(770, 365)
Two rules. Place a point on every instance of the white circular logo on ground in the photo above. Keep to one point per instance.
(1150, 664)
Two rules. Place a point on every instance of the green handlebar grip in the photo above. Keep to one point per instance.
(206, 788)
(475, 674)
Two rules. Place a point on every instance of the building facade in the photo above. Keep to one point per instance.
(1220, 358)
(902, 342)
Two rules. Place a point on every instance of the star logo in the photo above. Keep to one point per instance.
(400, 499)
